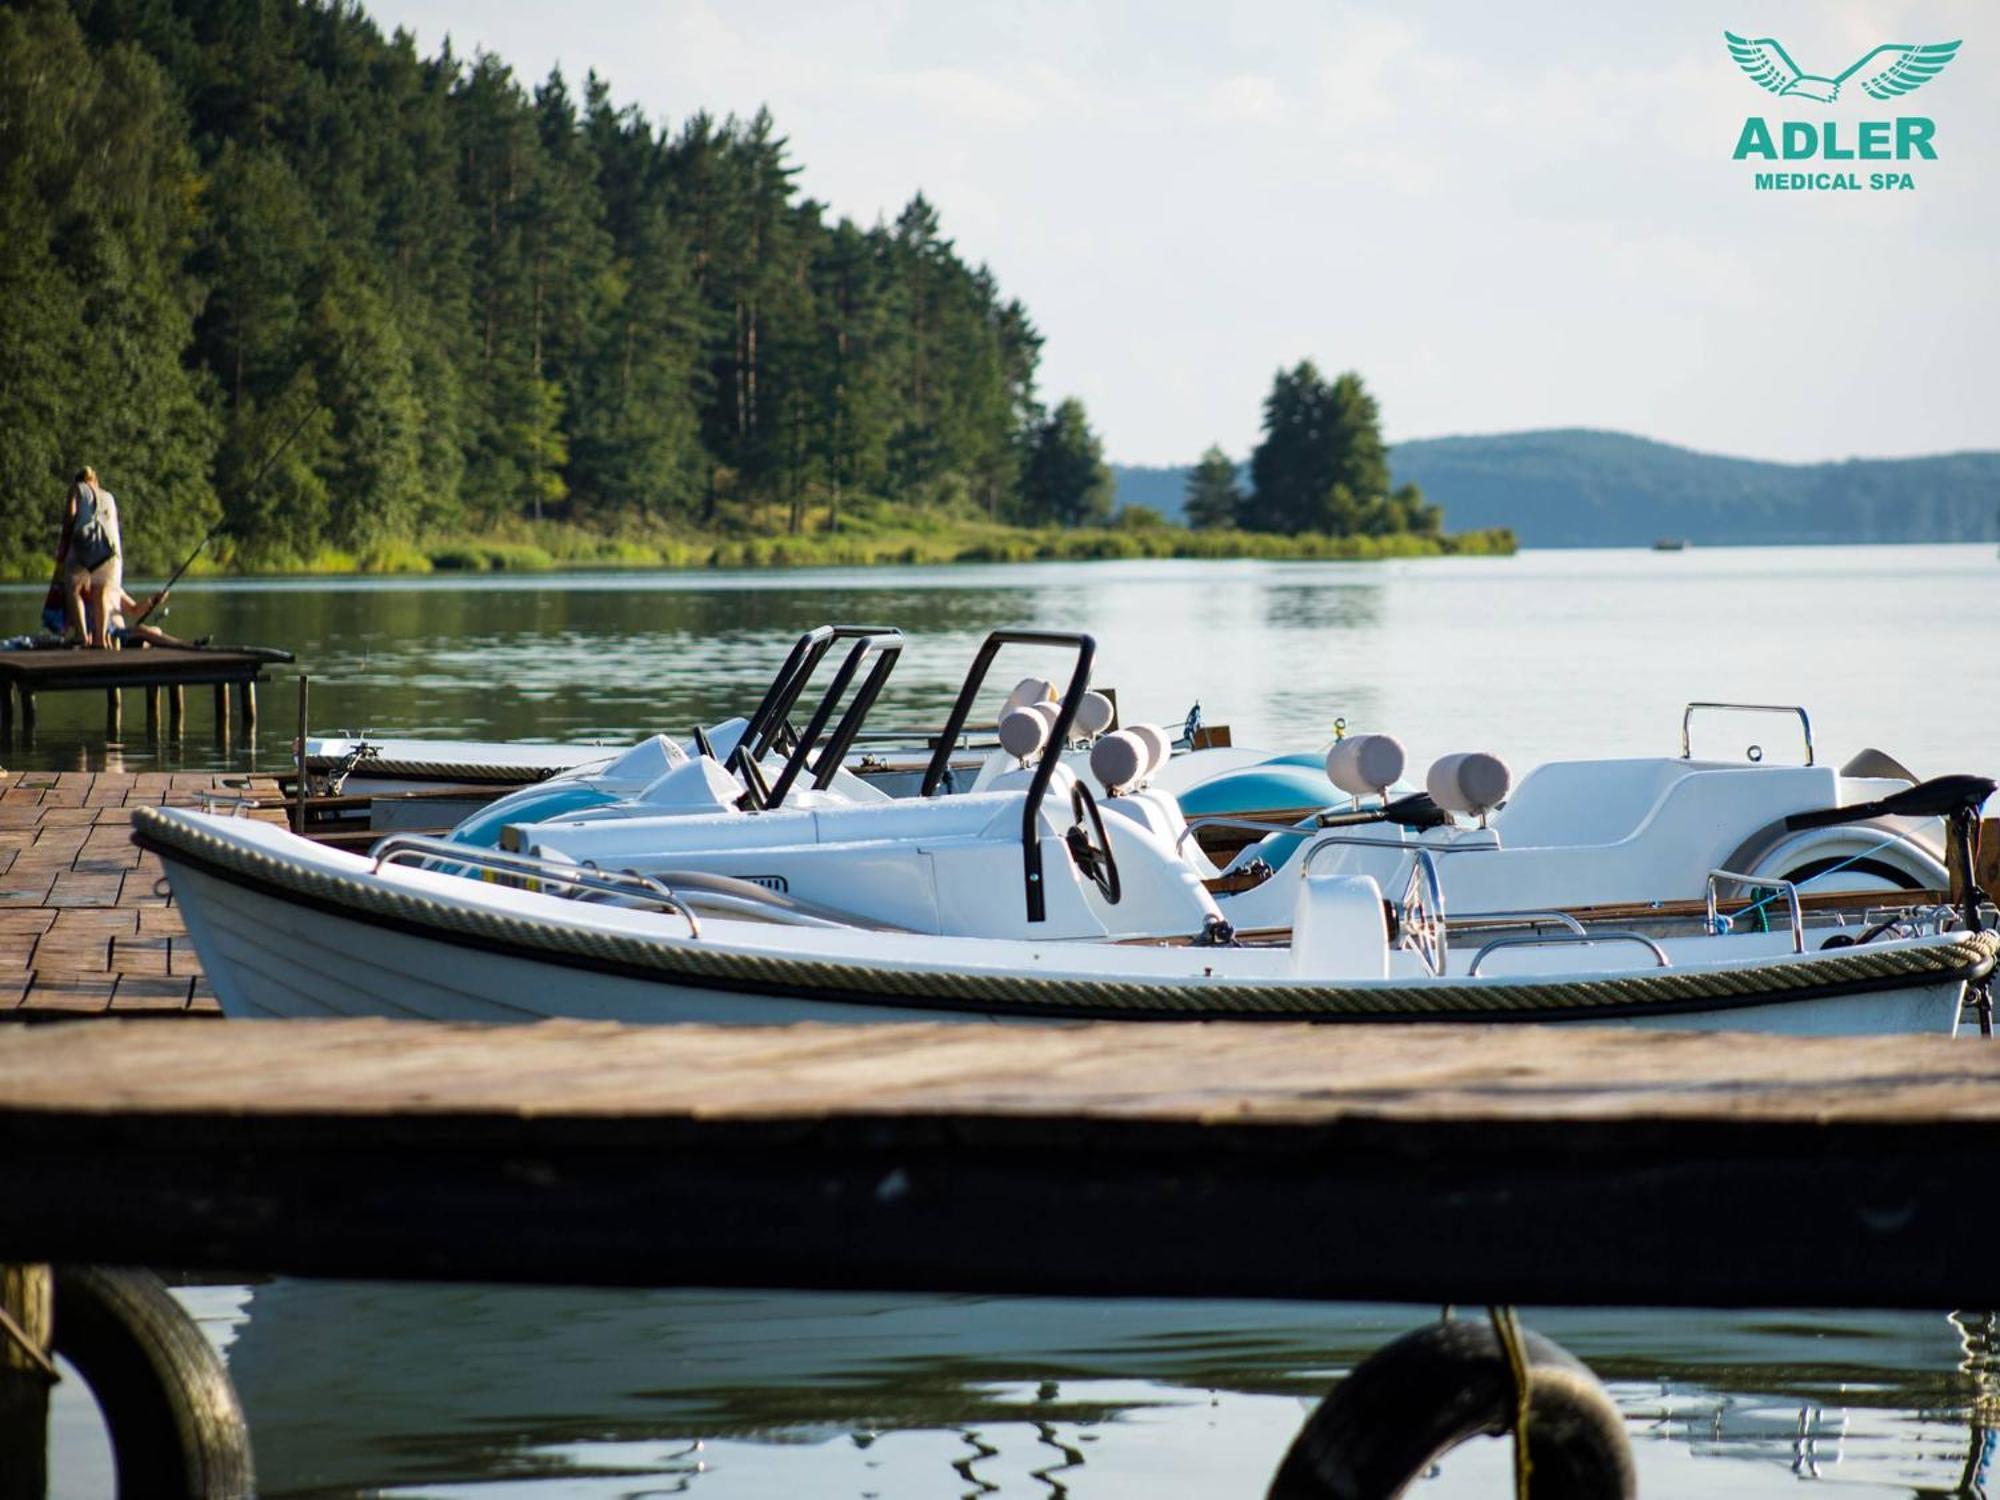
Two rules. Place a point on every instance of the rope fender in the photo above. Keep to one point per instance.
(1968, 955)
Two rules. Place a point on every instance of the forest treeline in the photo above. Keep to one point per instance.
(264, 266)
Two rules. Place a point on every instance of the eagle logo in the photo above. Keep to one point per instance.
(1905, 68)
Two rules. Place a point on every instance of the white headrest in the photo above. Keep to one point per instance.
(1364, 763)
(1473, 782)
(1159, 745)
(1094, 714)
(1028, 690)
(1120, 761)
(1023, 732)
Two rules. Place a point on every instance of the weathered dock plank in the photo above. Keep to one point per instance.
(86, 924)
(1513, 1164)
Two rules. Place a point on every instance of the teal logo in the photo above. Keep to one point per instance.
(1886, 72)
(1906, 69)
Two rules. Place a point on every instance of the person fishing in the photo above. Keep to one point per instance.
(94, 553)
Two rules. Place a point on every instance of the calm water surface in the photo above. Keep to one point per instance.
(1541, 655)
(364, 1390)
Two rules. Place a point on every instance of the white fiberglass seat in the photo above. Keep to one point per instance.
(1585, 833)
(950, 865)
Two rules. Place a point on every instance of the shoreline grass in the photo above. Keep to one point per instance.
(867, 541)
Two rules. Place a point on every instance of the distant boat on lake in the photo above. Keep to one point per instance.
(1670, 544)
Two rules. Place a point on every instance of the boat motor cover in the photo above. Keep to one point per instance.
(1365, 763)
(1472, 782)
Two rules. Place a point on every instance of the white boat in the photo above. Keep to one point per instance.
(285, 927)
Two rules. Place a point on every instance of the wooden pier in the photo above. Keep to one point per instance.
(86, 924)
(1531, 1165)
(159, 671)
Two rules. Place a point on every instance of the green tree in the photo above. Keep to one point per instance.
(1066, 482)
(1322, 465)
(1213, 496)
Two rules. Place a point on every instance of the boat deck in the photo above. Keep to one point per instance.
(86, 926)
(1575, 1166)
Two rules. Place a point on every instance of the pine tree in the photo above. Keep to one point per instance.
(1213, 496)
(1066, 482)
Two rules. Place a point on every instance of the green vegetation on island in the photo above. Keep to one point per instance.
(1579, 488)
(485, 324)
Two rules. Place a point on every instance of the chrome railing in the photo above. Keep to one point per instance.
(1791, 893)
(1554, 939)
(1756, 752)
(402, 848)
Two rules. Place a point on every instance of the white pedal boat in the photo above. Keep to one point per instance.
(285, 927)
(1589, 833)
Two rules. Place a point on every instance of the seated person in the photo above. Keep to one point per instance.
(138, 632)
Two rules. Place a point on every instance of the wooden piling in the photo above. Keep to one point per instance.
(27, 712)
(222, 713)
(176, 708)
(114, 713)
(27, 1337)
(247, 696)
(153, 712)
(299, 756)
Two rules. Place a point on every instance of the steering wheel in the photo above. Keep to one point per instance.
(1089, 847)
(1420, 921)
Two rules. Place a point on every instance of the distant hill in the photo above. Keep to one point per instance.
(1579, 488)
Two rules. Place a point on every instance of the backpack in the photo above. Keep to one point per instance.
(91, 543)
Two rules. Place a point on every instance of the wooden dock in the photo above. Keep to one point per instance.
(159, 671)
(1531, 1165)
(86, 924)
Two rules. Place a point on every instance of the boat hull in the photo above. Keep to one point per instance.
(270, 954)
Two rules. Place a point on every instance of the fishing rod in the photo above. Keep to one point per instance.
(160, 595)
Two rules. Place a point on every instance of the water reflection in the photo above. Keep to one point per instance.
(1536, 656)
(353, 1388)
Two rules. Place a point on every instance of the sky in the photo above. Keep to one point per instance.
(1503, 216)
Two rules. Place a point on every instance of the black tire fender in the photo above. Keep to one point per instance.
(1416, 1399)
(177, 1428)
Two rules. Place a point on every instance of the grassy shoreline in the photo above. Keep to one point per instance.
(529, 547)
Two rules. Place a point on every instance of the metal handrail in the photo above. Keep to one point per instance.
(1805, 722)
(1528, 919)
(1791, 896)
(1332, 839)
(1085, 647)
(1552, 939)
(398, 847)
(1251, 825)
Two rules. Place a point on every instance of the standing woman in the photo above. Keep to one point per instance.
(95, 553)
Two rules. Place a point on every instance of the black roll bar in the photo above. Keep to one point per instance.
(887, 646)
(768, 717)
(1079, 682)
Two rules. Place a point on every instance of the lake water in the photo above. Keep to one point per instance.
(356, 1389)
(1541, 655)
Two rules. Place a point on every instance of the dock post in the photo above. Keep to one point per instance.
(153, 712)
(299, 759)
(27, 712)
(27, 1334)
(248, 699)
(114, 712)
(222, 713)
(176, 708)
